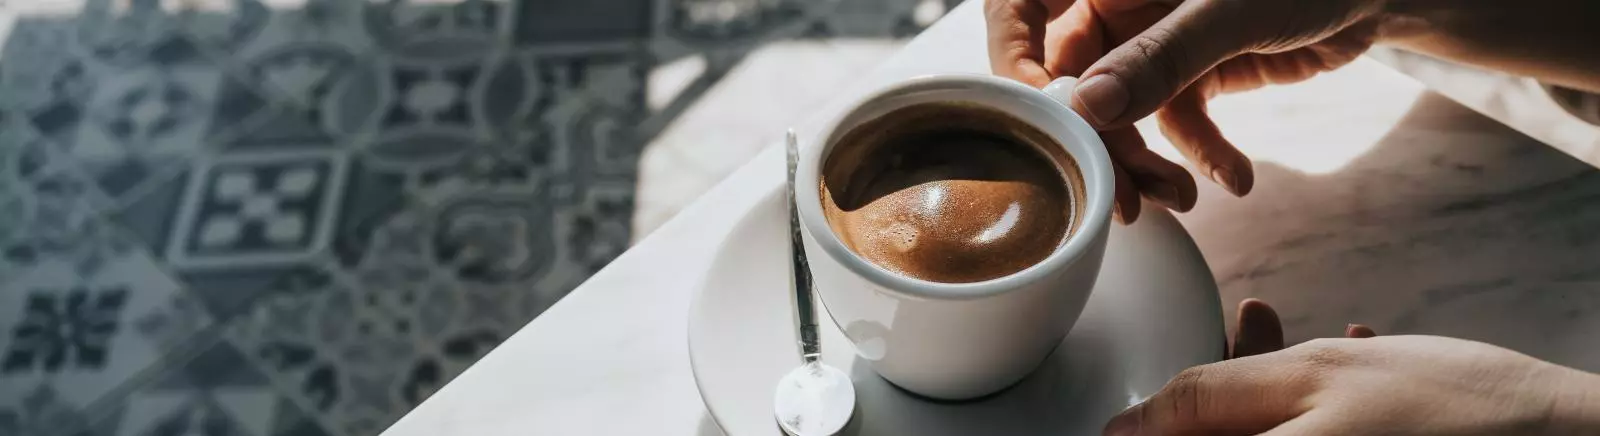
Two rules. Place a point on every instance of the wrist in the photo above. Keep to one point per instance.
(1576, 409)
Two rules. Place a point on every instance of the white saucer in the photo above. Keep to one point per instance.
(1154, 312)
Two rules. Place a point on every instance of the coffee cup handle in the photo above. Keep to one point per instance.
(1061, 89)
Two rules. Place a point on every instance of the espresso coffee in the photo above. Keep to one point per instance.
(950, 192)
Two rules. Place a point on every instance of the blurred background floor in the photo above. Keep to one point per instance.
(302, 217)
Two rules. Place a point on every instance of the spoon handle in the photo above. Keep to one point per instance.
(804, 303)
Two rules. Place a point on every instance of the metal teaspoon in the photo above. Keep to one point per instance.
(814, 399)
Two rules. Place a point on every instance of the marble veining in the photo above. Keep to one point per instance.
(1452, 224)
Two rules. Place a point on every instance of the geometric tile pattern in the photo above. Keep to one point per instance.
(258, 208)
(251, 219)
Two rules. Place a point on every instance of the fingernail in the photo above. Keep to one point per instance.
(1101, 99)
(1124, 424)
(1225, 178)
(1167, 195)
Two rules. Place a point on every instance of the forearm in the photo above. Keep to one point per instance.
(1554, 41)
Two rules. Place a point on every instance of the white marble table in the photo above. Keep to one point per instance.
(1376, 202)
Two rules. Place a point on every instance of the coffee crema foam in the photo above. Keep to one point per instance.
(950, 193)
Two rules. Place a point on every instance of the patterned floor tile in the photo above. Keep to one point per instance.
(598, 22)
(39, 410)
(23, 153)
(372, 197)
(365, 348)
(281, 65)
(221, 217)
(596, 120)
(56, 222)
(492, 235)
(246, 223)
(251, 114)
(301, 74)
(722, 21)
(260, 208)
(68, 60)
(878, 19)
(217, 392)
(140, 123)
(122, 124)
(53, 71)
(229, 292)
(14, 214)
(432, 32)
(249, 30)
(69, 336)
(413, 117)
(150, 216)
(140, 35)
(596, 229)
(225, 27)
(441, 282)
(49, 90)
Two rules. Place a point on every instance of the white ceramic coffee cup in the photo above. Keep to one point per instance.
(961, 340)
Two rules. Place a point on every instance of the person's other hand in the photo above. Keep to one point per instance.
(1382, 385)
(1138, 57)
(1260, 331)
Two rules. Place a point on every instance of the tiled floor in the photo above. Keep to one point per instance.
(302, 217)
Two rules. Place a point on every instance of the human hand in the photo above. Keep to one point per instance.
(1138, 57)
(1385, 385)
(1260, 332)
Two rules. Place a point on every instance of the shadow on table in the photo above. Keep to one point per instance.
(1453, 224)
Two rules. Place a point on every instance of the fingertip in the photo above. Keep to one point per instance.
(1174, 189)
(1015, 34)
(1165, 195)
(1162, 181)
(1245, 177)
(1125, 423)
(1255, 304)
(1196, 135)
(1359, 331)
(1237, 179)
(1259, 329)
(1126, 212)
(1258, 314)
(1126, 209)
(1188, 192)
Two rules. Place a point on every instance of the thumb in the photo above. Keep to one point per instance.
(1137, 77)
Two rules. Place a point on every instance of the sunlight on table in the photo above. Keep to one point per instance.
(1304, 135)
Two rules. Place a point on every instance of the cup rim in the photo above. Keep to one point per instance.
(1081, 142)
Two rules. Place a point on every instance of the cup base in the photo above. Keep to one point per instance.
(982, 396)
